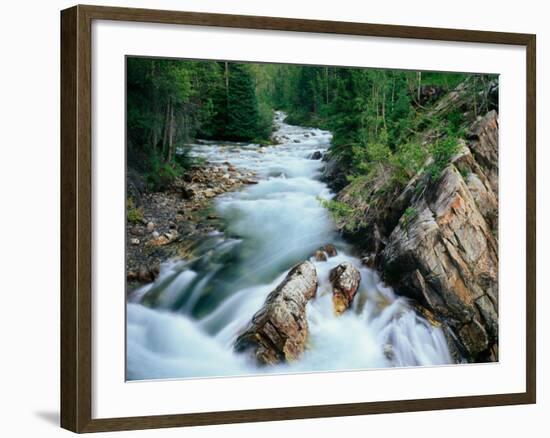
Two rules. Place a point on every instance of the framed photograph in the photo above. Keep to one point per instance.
(270, 218)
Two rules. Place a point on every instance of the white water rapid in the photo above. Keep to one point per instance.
(196, 308)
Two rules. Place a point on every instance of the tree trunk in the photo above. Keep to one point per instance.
(226, 79)
(165, 131)
(384, 109)
(326, 84)
(171, 135)
(392, 94)
(419, 78)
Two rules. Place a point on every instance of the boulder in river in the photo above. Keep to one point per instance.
(320, 256)
(330, 250)
(317, 155)
(278, 331)
(345, 279)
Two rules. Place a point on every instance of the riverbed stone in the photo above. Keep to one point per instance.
(317, 155)
(345, 280)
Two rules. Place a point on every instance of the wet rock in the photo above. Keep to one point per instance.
(296, 140)
(249, 181)
(317, 155)
(147, 275)
(370, 260)
(278, 331)
(389, 352)
(209, 193)
(330, 249)
(334, 173)
(320, 256)
(345, 279)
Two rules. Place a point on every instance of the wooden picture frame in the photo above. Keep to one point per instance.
(76, 217)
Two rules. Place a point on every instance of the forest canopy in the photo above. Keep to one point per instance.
(373, 114)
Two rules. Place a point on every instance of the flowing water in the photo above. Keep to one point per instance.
(195, 309)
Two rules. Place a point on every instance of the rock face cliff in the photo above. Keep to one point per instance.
(445, 254)
(436, 241)
(278, 331)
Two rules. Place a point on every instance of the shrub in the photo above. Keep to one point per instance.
(408, 215)
(133, 214)
(408, 160)
(442, 151)
(161, 174)
(342, 213)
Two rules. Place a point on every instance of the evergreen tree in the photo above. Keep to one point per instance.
(243, 118)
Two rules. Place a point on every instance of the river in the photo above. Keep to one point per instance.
(195, 308)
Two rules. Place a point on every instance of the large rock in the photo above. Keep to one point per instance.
(444, 254)
(334, 172)
(278, 331)
(484, 146)
(317, 155)
(345, 279)
(330, 250)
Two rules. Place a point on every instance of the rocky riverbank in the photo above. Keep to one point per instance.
(169, 224)
(435, 240)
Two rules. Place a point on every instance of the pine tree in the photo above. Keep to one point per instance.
(243, 118)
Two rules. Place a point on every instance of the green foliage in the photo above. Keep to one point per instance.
(170, 102)
(408, 216)
(243, 116)
(408, 160)
(342, 212)
(442, 151)
(447, 81)
(465, 172)
(161, 174)
(375, 115)
(133, 214)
